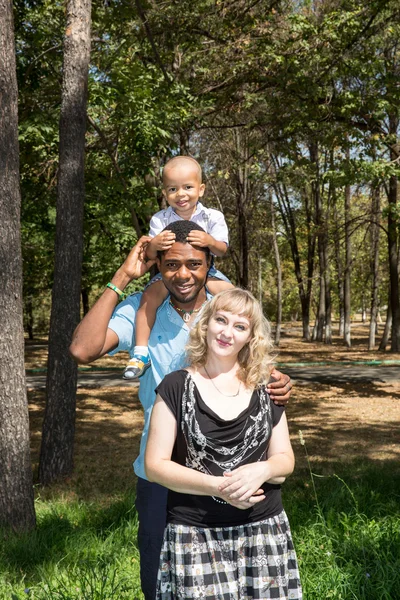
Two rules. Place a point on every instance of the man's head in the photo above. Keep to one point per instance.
(184, 267)
(182, 185)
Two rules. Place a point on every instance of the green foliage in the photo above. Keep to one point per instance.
(247, 87)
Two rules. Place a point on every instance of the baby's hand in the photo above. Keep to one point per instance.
(163, 241)
(199, 238)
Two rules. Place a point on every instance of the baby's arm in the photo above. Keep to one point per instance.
(152, 298)
(218, 285)
(203, 239)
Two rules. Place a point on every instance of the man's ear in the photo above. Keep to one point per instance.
(158, 262)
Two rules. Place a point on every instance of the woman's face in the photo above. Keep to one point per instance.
(227, 333)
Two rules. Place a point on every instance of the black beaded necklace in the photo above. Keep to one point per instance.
(186, 314)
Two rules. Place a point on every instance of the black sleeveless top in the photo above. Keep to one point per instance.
(212, 445)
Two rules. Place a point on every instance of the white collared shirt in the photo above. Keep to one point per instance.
(211, 220)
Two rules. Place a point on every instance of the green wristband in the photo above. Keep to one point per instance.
(115, 289)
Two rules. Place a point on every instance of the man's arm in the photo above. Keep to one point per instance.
(93, 338)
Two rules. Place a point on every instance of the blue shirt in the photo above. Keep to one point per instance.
(166, 348)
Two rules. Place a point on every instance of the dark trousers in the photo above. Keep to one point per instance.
(151, 506)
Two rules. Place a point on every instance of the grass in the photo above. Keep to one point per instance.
(346, 529)
(344, 506)
(79, 550)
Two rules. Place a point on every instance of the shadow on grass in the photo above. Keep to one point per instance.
(69, 532)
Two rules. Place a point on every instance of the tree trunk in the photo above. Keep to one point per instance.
(29, 316)
(85, 301)
(241, 199)
(393, 220)
(347, 270)
(279, 286)
(16, 490)
(56, 456)
(387, 330)
(289, 223)
(338, 261)
(375, 230)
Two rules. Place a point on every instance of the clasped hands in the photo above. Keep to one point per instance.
(242, 487)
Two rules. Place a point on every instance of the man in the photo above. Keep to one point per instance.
(183, 268)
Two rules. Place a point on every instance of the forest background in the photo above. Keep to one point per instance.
(292, 108)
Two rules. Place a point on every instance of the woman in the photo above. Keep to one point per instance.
(222, 448)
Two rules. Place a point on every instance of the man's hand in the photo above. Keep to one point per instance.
(280, 389)
(245, 481)
(161, 242)
(200, 238)
(135, 264)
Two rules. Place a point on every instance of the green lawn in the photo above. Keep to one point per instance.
(348, 542)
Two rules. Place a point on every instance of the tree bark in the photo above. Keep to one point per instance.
(16, 490)
(338, 260)
(393, 250)
(85, 301)
(56, 456)
(241, 200)
(387, 330)
(347, 270)
(375, 230)
(279, 286)
(319, 327)
(289, 223)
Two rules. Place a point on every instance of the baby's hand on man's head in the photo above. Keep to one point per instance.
(199, 238)
(163, 241)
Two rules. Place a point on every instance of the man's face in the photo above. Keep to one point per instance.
(184, 271)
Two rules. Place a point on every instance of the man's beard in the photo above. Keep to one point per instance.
(185, 299)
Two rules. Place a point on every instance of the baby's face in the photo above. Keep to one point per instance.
(182, 188)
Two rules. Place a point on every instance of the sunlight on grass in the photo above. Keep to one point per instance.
(348, 543)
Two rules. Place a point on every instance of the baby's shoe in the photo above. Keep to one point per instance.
(136, 367)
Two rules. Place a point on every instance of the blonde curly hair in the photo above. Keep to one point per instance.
(255, 360)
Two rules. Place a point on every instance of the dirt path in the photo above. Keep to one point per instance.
(342, 417)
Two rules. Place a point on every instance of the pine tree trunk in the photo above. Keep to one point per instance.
(56, 456)
(375, 230)
(16, 490)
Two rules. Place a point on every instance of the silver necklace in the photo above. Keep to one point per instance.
(219, 391)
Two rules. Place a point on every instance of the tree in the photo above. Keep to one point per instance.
(56, 455)
(16, 490)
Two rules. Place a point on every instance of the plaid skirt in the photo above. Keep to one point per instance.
(245, 562)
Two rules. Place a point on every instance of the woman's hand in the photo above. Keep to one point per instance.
(259, 496)
(244, 482)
